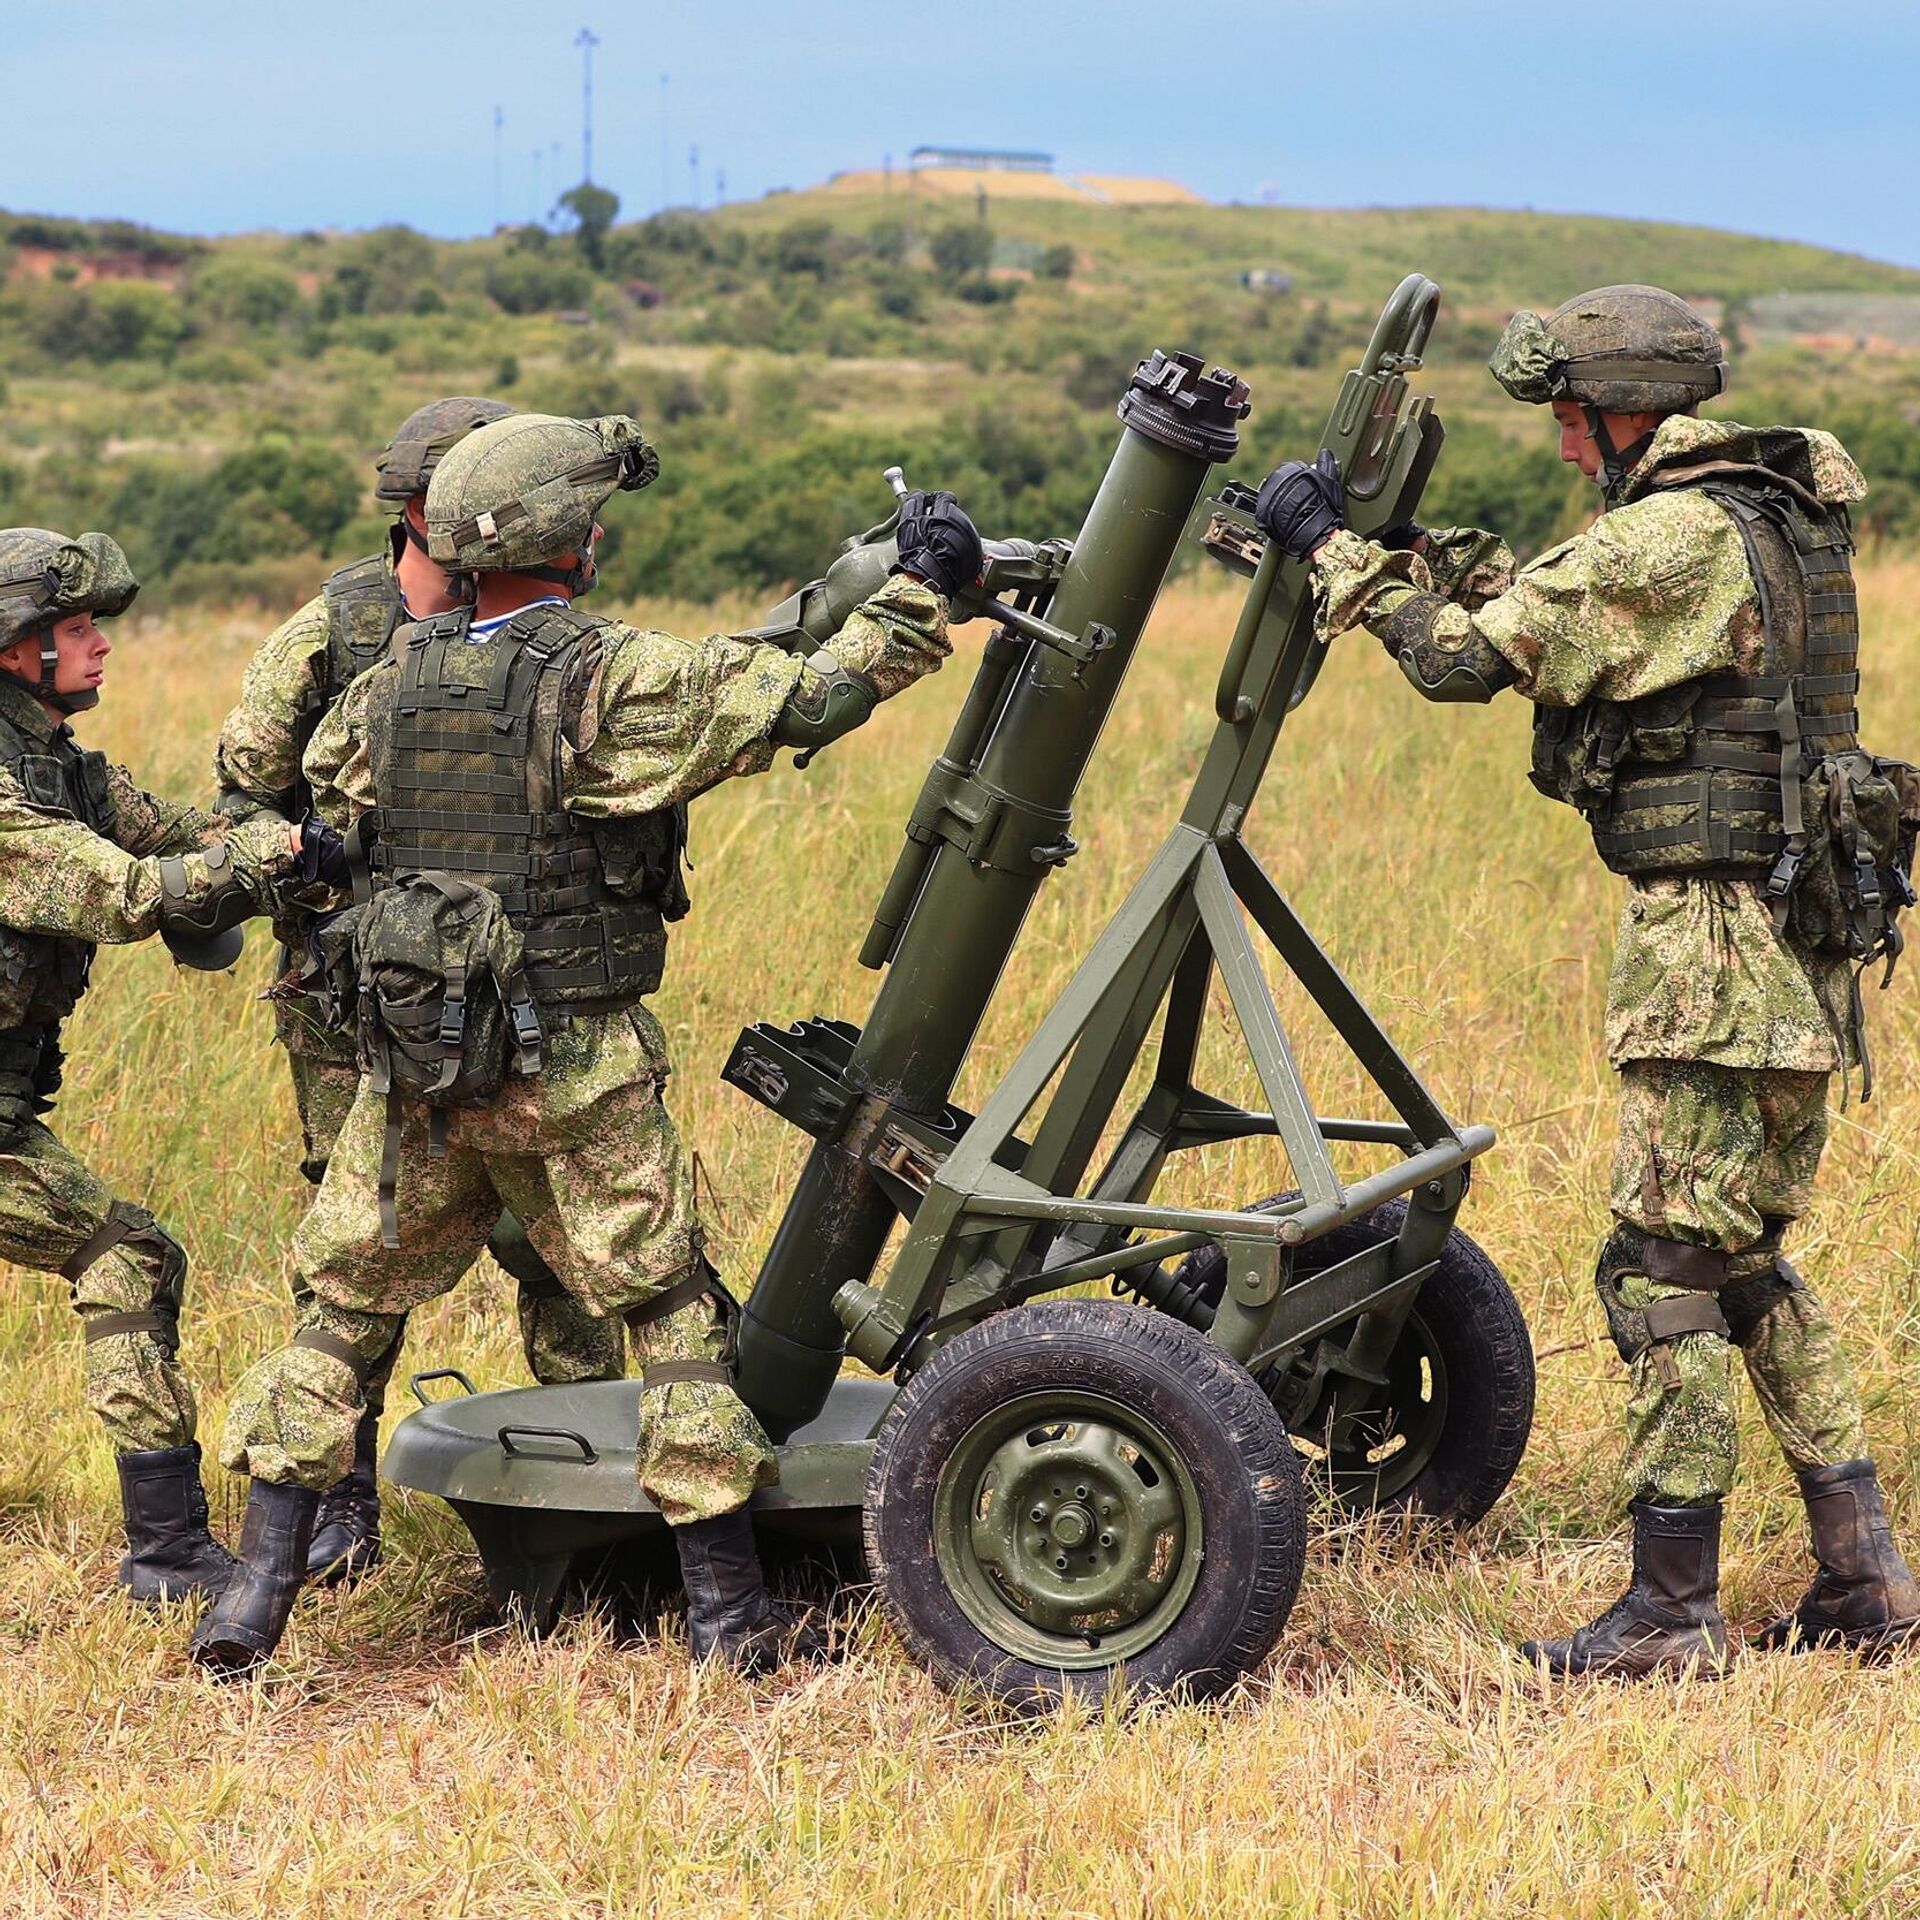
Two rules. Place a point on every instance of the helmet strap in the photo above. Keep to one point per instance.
(1615, 462)
(42, 687)
(403, 533)
(577, 579)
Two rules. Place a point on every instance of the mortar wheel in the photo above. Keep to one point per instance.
(1444, 1432)
(1074, 1490)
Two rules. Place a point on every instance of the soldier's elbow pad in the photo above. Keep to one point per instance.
(1472, 672)
(226, 901)
(831, 702)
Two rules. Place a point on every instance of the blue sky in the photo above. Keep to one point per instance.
(1773, 116)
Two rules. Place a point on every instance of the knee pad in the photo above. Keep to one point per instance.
(135, 1227)
(1653, 1328)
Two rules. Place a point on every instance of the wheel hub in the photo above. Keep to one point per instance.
(1072, 1525)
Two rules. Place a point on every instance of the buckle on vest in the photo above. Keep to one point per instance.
(1785, 870)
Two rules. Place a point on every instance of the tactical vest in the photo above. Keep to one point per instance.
(363, 608)
(1706, 778)
(466, 747)
(58, 773)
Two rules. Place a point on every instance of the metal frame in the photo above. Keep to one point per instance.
(998, 1219)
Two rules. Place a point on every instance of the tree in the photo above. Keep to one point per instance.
(594, 210)
(960, 248)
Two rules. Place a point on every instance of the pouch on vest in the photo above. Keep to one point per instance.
(445, 1012)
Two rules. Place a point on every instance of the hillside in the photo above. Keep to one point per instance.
(216, 403)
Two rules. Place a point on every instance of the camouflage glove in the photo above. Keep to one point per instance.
(1300, 505)
(938, 542)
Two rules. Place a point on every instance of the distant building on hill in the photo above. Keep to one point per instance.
(979, 160)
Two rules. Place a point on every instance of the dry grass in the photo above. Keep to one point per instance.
(1392, 1759)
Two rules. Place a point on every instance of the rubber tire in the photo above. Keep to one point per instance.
(1480, 1337)
(1234, 1446)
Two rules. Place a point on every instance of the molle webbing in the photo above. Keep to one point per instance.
(54, 772)
(363, 607)
(471, 785)
(1730, 801)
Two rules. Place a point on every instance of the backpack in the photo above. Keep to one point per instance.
(443, 1011)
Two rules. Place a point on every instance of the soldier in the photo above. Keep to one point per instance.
(299, 674)
(85, 857)
(526, 770)
(1692, 660)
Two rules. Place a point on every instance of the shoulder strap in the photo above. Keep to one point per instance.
(363, 608)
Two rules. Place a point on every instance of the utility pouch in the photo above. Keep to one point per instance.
(1855, 877)
(643, 857)
(1576, 751)
(444, 1009)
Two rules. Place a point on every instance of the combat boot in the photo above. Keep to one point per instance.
(171, 1554)
(346, 1531)
(1863, 1596)
(242, 1628)
(1669, 1618)
(730, 1616)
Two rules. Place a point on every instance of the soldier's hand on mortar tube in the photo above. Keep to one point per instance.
(321, 853)
(938, 543)
(1300, 507)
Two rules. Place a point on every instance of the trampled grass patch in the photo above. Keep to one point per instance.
(413, 1757)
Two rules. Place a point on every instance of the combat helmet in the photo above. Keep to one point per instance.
(1628, 349)
(44, 577)
(523, 493)
(406, 463)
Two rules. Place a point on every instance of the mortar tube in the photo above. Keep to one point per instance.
(951, 953)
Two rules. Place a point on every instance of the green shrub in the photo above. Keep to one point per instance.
(237, 291)
(536, 283)
(106, 320)
(807, 246)
(961, 247)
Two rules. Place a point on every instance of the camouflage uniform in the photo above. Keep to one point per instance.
(585, 1151)
(81, 853)
(1724, 1032)
(291, 681)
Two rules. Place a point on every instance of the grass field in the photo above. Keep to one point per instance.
(411, 1757)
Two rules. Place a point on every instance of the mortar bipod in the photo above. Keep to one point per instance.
(1001, 1221)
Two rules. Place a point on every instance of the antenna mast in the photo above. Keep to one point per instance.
(586, 40)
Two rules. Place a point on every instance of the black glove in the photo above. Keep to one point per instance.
(1299, 505)
(1402, 538)
(938, 542)
(323, 853)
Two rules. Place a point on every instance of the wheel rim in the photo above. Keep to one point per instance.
(1068, 1529)
(1391, 1439)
